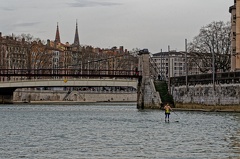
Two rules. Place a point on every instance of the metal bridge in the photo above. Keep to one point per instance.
(141, 78)
(12, 79)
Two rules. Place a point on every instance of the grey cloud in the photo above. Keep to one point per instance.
(7, 9)
(87, 3)
(26, 24)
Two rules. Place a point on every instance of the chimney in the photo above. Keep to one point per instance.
(23, 40)
(48, 42)
(121, 49)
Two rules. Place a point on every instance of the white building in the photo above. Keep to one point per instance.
(173, 64)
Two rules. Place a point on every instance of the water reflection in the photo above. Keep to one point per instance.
(235, 138)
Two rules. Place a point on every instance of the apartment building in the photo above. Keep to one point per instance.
(170, 64)
(17, 53)
(173, 64)
(235, 35)
(234, 56)
(13, 54)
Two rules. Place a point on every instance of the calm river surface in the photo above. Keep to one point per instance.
(115, 131)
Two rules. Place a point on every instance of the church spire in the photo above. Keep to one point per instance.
(57, 37)
(76, 37)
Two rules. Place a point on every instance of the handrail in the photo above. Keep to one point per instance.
(69, 72)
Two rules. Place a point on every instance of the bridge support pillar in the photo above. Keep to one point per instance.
(6, 95)
(6, 99)
(148, 97)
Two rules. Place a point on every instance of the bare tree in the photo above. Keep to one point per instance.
(214, 39)
(126, 61)
(39, 57)
(28, 38)
(134, 51)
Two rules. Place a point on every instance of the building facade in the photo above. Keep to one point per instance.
(21, 54)
(173, 64)
(235, 35)
(232, 10)
(13, 54)
(170, 64)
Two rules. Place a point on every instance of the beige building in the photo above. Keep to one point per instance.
(234, 56)
(235, 34)
(13, 54)
(16, 53)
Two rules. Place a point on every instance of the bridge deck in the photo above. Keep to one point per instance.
(77, 82)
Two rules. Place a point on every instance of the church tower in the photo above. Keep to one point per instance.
(57, 37)
(76, 37)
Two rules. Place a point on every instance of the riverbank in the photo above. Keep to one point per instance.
(210, 108)
(72, 102)
(50, 96)
(178, 106)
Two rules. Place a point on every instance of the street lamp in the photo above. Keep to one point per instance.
(213, 71)
(186, 64)
(213, 77)
(88, 67)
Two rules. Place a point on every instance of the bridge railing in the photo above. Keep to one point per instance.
(68, 72)
(221, 78)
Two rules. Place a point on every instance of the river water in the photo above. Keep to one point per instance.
(115, 131)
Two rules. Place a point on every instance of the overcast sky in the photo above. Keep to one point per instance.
(152, 24)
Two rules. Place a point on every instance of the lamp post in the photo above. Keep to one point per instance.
(161, 66)
(213, 71)
(88, 67)
(168, 69)
(186, 64)
(81, 68)
(213, 77)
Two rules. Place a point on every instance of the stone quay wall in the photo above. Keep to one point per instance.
(152, 98)
(72, 96)
(224, 97)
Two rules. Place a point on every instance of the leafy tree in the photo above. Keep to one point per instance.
(213, 39)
